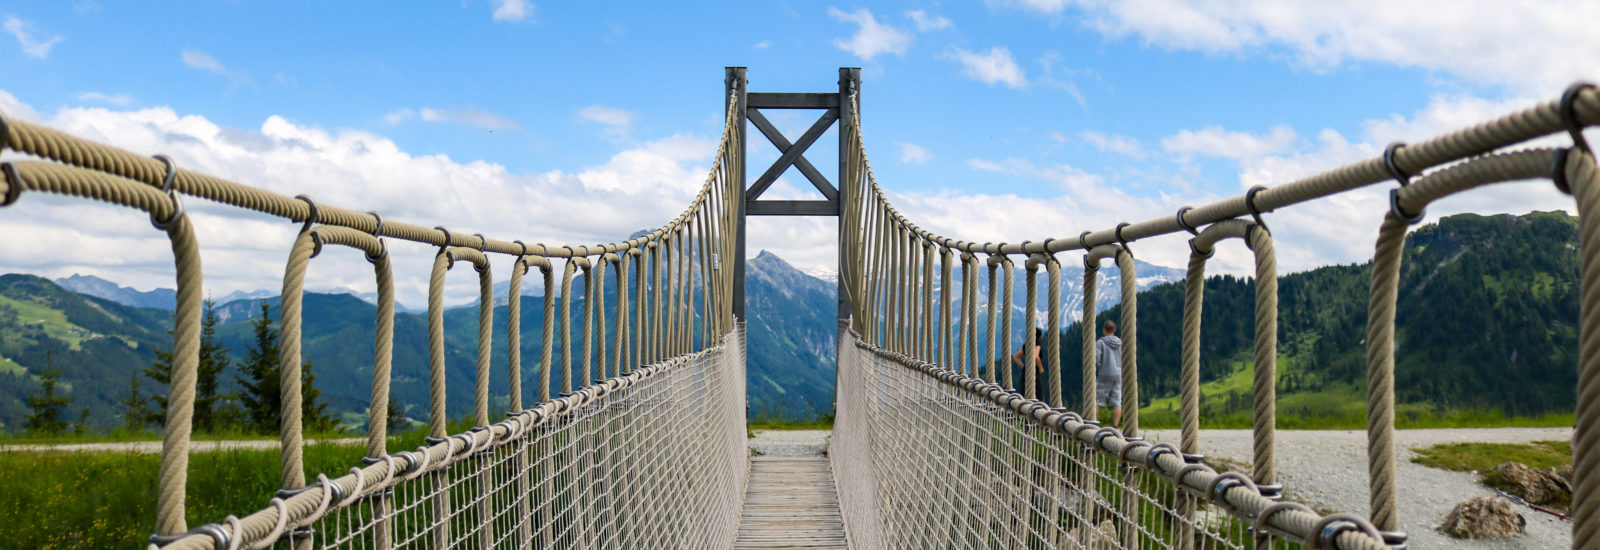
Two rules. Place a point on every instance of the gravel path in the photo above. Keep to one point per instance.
(154, 447)
(790, 443)
(1328, 471)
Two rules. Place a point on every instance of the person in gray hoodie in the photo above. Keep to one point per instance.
(1108, 364)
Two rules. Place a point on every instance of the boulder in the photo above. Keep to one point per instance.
(1535, 486)
(1483, 517)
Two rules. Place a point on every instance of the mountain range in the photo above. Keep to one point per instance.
(1519, 279)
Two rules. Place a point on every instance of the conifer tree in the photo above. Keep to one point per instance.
(135, 413)
(261, 395)
(47, 407)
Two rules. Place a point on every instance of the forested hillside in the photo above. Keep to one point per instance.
(1487, 321)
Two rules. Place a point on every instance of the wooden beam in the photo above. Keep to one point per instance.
(771, 100)
(791, 208)
(792, 153)
(777, 138)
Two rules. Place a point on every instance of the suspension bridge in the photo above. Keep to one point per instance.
(640, 440)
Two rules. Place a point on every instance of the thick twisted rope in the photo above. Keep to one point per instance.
(1052, 348)
(968, 356)
(1030, 343)
(991, 309)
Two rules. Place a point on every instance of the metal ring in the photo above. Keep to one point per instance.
(167, 184)
(1102, 433)
(1558, 170)
(1121, 240)
(1250, 204)
(377, 232)
(1194, 249)
(311, 217)
(1185, 223)
(1218, 488)
(1132, 446)
(1156, 451)
(524, 246)
(1398, 213)
(483, 242)
(219, 536)
(316, 244)
(1260, 524)
(1326, 529)
(1569, 114)
(14, 187)
(1082, 240)
(446, 232)
(1393, 166)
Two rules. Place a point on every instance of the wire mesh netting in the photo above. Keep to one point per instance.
(659, 463)
(925, 462)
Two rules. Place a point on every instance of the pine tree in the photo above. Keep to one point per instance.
(134, 408)
(259, 377)
(213, 360)
(397, 415)
(82, 427)
(313, 412)
(47, 407)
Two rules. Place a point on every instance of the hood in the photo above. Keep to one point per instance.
(1113, 341)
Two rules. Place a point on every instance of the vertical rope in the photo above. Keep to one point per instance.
(991, 309)
(968, 342)
(1086, 326)
(1380, 373)
(179, 424)
(1053, 334)
(1189, 375)
(567, 272)
(1584, 181)
(1266, 356)
(942, 346)
(1030, 346)
(591, 276)
(1130, 343)
(291, 438)
(620, 346)
(548, 329)
(480, 402)
(1005, 321)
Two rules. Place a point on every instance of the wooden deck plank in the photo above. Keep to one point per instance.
(790, 503)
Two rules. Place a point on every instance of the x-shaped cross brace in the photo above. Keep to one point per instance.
(792, 154)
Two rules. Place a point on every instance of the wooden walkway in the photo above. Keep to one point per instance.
(790, 503)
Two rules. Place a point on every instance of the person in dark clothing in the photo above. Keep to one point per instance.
(1039, 381)
(1108, 366)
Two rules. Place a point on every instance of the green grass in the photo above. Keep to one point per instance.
(1226, 403)
(126, 436)
(1483, 457)
(54, 322)
(773, 423)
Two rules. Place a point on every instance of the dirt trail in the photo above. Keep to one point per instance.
(154, 447)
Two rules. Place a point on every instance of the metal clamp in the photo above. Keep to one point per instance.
(1218, 489)
(311, 217)
(1122, 240)
(1185, 223)
(13, 185)
(1083, 241)
(219, 537)
(1194, 248)
(1260, 524)
(1393, 166)
(447, 238)
(1157, 450)
(1569, 114)
(383, 250)
(1400, 214)
(1326, 530)
(1558, 169)
(167, 186)
(1250, 204)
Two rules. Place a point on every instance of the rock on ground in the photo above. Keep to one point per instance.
(1484, 518)
(1536, 486)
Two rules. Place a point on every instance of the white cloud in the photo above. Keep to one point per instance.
(762, 45)
(511, 10)
(871, 38)
(1214, 141)
(399, 115)
(118, 99)
(635, 189)
(1119, 144)
(911, 153)
(32, 47)
(196, 59)
(467, 116)
(991, 67)
(609, 116)
(926, 23)
(1526, 46)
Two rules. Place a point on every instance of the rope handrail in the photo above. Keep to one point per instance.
(895, 318)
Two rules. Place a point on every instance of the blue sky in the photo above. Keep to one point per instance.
(997, 120)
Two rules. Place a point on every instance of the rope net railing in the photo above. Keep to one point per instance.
(639, 442)
(938, 444)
